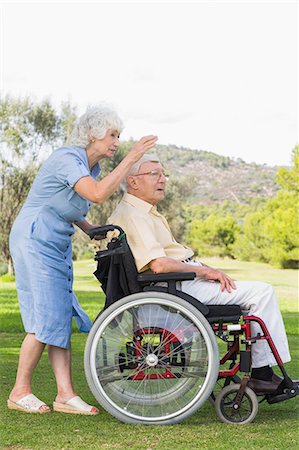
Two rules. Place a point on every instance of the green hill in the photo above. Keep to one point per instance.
(218, 178)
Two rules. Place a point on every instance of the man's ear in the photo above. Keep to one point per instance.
(132, 183)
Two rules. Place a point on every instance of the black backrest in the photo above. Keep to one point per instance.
(118, 274)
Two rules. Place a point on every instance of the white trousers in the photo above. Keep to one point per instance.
(254, 298)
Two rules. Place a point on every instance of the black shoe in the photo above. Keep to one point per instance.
(264, 387)
(273, 386)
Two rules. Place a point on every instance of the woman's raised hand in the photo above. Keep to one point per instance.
(144, 144)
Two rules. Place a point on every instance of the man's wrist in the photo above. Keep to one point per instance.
(200, 271)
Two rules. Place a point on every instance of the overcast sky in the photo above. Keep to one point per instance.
(217, 76)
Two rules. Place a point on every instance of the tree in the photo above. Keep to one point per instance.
(173, 205)
(12, 194)
(28, 131)
(289, 179)
(271, 234)
(213, 236)
(26, 128)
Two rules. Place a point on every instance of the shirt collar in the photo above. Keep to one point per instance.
(140, 204)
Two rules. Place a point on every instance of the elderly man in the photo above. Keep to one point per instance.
(154, 248)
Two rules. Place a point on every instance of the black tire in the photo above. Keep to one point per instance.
(225, 410)
(151, 401)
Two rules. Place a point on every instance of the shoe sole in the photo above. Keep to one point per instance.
(61, 407)
(13, 405)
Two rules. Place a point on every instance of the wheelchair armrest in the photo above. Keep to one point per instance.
(157, 277)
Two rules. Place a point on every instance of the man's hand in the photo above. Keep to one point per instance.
(210, 274)
(166, 264)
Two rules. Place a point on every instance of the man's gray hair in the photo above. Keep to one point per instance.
(145, 158)
(94, 124)
(136, 167)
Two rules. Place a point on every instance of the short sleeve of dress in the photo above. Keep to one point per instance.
(70, 167)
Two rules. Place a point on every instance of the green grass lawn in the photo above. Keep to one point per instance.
(275, 427)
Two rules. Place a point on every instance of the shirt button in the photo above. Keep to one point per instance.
(65, 257)
(70, 234)
(69, 279)
(84, 215)
(70, 267)
(70, 291)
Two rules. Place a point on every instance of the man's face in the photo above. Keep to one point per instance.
(149, 184)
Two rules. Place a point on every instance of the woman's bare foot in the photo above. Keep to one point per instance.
(73, 405)
(18, 394)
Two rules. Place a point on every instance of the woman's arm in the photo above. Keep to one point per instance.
(84, 226)
(99, 191)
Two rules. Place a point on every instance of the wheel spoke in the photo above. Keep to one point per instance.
(152, 359)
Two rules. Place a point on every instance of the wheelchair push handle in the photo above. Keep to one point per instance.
(101, 232)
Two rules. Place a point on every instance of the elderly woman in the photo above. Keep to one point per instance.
(41, 248)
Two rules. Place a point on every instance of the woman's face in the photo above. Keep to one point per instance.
(108, 145)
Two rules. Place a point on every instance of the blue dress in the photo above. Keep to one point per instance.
(41, 248)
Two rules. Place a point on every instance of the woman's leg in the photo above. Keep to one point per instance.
(30, 354)
(60, 359)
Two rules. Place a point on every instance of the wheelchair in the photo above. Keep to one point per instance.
(152, 355)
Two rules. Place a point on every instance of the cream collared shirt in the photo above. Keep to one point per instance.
(148, 232)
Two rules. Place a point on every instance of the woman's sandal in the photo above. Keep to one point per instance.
(29, 404)
(75, 406)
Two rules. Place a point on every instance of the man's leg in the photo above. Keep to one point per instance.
(256, 299)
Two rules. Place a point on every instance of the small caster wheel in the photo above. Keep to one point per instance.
(220, 384)
(226, 410)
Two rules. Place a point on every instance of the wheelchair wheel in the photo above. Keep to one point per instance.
(151, 358)
(225, 401)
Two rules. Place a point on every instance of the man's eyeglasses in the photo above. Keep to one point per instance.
(155, 174)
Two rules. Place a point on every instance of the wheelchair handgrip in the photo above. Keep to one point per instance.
(101, 232)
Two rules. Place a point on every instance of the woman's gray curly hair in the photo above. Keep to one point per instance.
(94, 124)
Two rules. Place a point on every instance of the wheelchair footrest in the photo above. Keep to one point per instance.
(283, 396)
